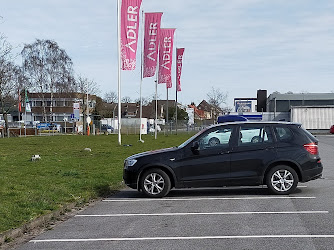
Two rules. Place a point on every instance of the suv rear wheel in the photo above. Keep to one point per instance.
(155, 183)
(282, 180)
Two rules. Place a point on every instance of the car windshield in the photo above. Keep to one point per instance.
(191, 138)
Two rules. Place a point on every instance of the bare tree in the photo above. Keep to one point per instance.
(216, 98)
(152, 97)
(126, 99)
(145, 100)
(84, 86)
(48, 68)
(110, 97)
(10, 80)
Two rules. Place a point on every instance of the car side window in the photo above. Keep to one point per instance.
(254, 135)
(283, 134)
(219, 137)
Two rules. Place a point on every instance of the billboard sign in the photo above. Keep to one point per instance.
(76, 111)
(243, 106)
(191, 116)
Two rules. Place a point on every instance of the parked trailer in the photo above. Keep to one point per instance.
(313, 117)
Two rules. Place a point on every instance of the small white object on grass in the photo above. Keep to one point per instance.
(88, 149)
(35, 157)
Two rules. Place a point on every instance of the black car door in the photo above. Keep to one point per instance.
(253, 151)
(208, 164)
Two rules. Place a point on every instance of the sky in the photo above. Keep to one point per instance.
(236, 46)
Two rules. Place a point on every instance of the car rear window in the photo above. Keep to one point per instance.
(283, 134)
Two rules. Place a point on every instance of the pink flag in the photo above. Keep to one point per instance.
(129, 33)
(179, 55)
(165, 56)
(151, 42)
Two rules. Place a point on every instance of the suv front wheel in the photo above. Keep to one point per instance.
(282, 180)
(155, 183)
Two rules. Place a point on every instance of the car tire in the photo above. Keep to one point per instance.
(282, 180)
(214, 141)
(155, 183)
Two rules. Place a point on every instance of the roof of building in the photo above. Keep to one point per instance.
(245, 99)
(198, 112)
(70, 95)
(302, 96)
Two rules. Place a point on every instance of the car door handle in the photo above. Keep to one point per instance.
(268, 148)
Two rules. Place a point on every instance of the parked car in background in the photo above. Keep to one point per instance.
(331, 130)
(44, 126)
(152, 129)
(276, 154)
(107, 128)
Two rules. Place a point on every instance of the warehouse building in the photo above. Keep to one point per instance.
(315, 111)
(277, 102)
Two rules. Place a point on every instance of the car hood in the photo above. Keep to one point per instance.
(153, 152)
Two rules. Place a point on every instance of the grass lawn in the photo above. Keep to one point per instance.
(66, 173)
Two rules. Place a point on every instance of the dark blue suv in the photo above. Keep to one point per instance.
(276, 154)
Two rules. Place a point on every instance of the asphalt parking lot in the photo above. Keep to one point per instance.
(222, 218)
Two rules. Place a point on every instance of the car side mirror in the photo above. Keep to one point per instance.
(195, 148)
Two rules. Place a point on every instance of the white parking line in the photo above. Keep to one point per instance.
(211, 198)
(188, 238)
(214, 213)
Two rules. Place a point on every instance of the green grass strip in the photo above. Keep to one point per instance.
(66, 173)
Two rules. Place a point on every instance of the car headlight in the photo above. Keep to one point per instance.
(129, 163)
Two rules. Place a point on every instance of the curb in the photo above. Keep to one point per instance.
(13, 236)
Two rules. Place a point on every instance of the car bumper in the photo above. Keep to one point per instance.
(312, 174)
(130, 179)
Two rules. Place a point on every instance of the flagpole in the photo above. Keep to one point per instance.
(176, 95)
(141, 78)
(119, 70)
(156, 107)
(156, 97)
(19, 109)
(167, 110)
(25, 112)
(175, 34)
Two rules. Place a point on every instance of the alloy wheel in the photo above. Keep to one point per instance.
(154, 183)
(282, 180)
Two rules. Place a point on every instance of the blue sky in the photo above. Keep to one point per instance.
(237, 46)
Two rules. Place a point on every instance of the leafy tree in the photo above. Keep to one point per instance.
(182, 115)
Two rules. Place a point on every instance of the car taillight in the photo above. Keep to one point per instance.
(312, 148)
